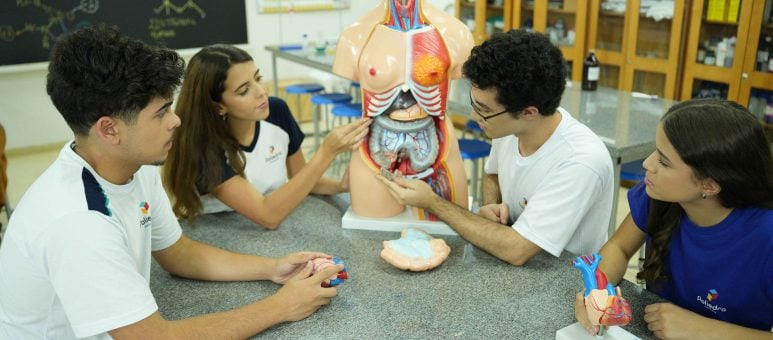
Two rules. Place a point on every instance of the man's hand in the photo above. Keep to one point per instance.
(669, 321)
(412, 192)
(495, 212)
(292, 264)
(304, 294)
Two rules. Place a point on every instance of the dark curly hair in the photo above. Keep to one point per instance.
(524, 68)
(96, 71)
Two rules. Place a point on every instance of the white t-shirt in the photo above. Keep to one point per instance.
(560, 197)
(265, 165)
(275, 139)
(75, 260)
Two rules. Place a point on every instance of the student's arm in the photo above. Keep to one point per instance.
(493, 209)
(297, 299)
(498, 240)
(324, 186)
(491, 193)
(669, 321)
(269, 211)
(617, 252)
(615, 255)
(195, 260)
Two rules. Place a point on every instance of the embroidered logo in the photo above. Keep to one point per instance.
(274, 154)
(523, 203)
(712, 296)
(146, 218)
(144, 208)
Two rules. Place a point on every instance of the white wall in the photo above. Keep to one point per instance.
(31, 120)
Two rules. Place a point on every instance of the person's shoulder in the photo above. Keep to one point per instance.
(762, 219)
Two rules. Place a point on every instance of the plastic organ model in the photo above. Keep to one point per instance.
(415, 250)
(604, 302)
(322, 263)
(404, 54)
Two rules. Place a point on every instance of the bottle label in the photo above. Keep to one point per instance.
(593, 73)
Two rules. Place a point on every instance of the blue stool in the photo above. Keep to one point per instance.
(473, 127)
(474, 150)
(349, 111)
(300, 89)
(354, 90)
(325, 99)
(632, 171)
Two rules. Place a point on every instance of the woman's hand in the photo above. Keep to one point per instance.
(346, 137)
(582, 315)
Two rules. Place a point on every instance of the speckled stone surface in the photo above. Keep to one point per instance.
(471, 295)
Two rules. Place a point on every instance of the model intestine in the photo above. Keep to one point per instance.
(415, 250)
(604, 302)
(404, 54)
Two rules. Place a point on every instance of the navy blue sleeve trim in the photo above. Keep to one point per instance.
(280, 115)
(95, 196)
(226, 172)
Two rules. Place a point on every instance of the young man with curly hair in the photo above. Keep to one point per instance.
(75, 261)
(548, 183)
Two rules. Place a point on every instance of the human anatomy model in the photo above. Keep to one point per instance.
(604, 302)
(415, 250)
(321, 263)
(404, 54)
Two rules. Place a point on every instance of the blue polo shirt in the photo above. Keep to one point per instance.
(723, 272)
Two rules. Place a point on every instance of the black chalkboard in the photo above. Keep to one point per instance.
(28, 28)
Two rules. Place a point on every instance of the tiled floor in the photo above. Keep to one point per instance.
(24, 169)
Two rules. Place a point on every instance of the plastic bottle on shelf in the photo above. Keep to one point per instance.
(305, 45)
(590, 72)
(721, 53)
(763, 54)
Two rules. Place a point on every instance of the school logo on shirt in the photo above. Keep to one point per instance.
(145, 210)
(712, 296)
(523, 203)
(273, 154)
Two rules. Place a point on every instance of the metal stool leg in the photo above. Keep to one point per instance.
(316, 126)
(475, 179)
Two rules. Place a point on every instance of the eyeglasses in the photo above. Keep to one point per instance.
(472, 103)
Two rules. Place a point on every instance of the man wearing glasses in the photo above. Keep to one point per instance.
(548, 183)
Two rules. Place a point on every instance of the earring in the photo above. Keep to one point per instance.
(703, 195)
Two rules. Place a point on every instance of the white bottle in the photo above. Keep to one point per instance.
(305, 46)
(721, 53)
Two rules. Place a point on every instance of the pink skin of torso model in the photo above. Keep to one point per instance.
(404, 57)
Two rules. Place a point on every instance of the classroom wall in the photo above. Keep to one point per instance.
(30, 119)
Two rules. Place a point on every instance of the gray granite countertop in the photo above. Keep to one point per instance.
(471, 295)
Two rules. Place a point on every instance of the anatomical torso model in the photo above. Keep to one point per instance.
(404, 55)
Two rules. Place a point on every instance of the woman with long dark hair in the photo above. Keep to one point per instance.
(239, 149)
(705, 210)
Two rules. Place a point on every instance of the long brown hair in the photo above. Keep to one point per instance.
(720, 140)
(195, 160)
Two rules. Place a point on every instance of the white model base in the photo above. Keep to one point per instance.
(576, 332)
(406, 219)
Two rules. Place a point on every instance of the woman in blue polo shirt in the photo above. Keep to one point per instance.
(705, 209)
(239, 149)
